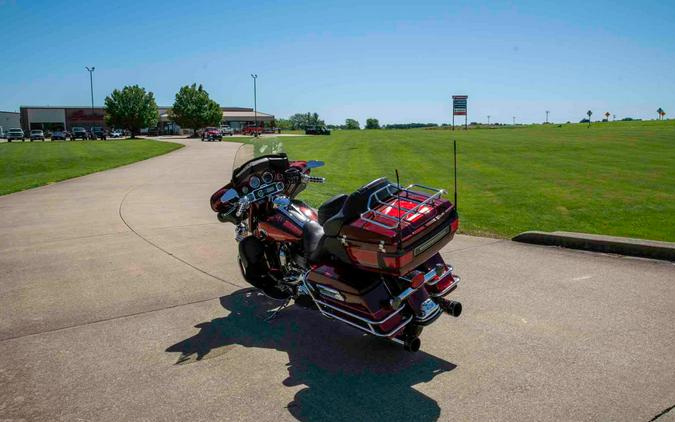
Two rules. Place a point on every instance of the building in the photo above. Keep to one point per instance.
(9, 120)
(67, 117)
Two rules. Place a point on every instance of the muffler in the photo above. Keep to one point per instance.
(450, 307)
(412, 344)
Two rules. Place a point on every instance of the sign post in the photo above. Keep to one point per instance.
(459, 109)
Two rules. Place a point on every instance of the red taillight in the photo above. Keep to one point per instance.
(454, 225)
(417, 280)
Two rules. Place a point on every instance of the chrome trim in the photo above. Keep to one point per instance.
(456, 279)
(369, 323)
(396, 301)
(330, 292)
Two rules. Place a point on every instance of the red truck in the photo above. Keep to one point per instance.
(252, 130)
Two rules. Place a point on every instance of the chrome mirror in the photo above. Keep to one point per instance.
(229, 195)
(314, 164)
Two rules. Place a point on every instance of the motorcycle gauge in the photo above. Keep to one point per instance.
(254, 182)
(267, 177)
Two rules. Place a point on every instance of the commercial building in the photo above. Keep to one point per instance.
(9, 120)
(67, 117)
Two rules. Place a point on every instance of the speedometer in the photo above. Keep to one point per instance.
(267, 177)
(254, 182)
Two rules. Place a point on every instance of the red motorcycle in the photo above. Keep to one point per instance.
(369, 259)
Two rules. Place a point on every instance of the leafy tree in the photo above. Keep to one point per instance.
(372, 124)
(304, 120)
(193, 109)
(284, 124)
(589, 113)
(352, 124)
(131, 108)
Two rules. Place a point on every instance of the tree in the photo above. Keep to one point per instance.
(304, 120)
(352, 124)
(284, 124)
(372, 123)
(193, 109)
(131, 108)
(589, 113)
(661, 113)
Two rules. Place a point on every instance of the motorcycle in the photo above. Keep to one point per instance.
(369, 259)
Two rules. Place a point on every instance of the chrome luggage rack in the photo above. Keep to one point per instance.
(375, 200)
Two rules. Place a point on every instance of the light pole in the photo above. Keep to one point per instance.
(255, 103)
(91, 87)
(488, 119)
(514, 120)
(547, 116)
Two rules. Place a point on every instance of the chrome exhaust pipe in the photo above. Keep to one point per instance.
(450, 307)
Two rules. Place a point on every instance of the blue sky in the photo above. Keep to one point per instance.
(396, 61)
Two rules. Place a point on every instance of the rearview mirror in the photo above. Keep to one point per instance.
(314, 164)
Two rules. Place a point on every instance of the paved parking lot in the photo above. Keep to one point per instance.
(120, 300)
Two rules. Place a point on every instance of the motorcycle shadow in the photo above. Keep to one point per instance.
(349, 375)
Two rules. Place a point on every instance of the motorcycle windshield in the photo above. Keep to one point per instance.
(256, 148)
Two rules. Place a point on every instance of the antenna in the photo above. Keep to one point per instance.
(398, 201)
(454, 155)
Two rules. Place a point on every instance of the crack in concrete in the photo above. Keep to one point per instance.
(662, 413)
(121, 214)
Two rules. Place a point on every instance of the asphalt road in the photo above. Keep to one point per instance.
(120, 300)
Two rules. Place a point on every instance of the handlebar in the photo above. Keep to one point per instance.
(313, 179)
(243, 204)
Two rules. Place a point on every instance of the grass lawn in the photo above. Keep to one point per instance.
(613, 178)
(27, 165)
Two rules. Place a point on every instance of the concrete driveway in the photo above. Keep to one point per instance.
(120, 300)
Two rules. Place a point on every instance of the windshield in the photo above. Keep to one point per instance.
(257, 148)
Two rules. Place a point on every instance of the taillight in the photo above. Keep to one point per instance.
(454, 225)
(417, 280)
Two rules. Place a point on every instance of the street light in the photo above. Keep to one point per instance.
(255, 103)
(488, 119)
(547, 115)
(91, 86)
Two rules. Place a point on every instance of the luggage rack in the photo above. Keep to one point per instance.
(390, 190)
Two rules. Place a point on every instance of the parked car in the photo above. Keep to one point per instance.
(2, 132)
(98, 133)
(15, 134)
(117, 133)
(252, 130)
(211, 134)
(79, 133)
(226, 131)
(59, 135)
(36, 134)
(317, 130)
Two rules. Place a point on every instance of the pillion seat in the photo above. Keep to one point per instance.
(320, 238)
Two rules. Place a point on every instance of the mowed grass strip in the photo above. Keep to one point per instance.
(612, 178)
(26, 165)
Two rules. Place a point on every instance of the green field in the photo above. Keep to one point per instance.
(27, 165)
(613, 178)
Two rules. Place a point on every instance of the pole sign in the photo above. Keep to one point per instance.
(459, 108)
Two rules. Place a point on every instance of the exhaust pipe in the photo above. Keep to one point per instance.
(412, 344)
(450, 307)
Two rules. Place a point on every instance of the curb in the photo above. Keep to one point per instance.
(598, 243)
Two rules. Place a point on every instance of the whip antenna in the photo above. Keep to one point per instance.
(454, 155)
(398, 201)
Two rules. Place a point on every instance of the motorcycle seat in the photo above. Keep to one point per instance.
(355, 204)
(331, 207)
(312, 241)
